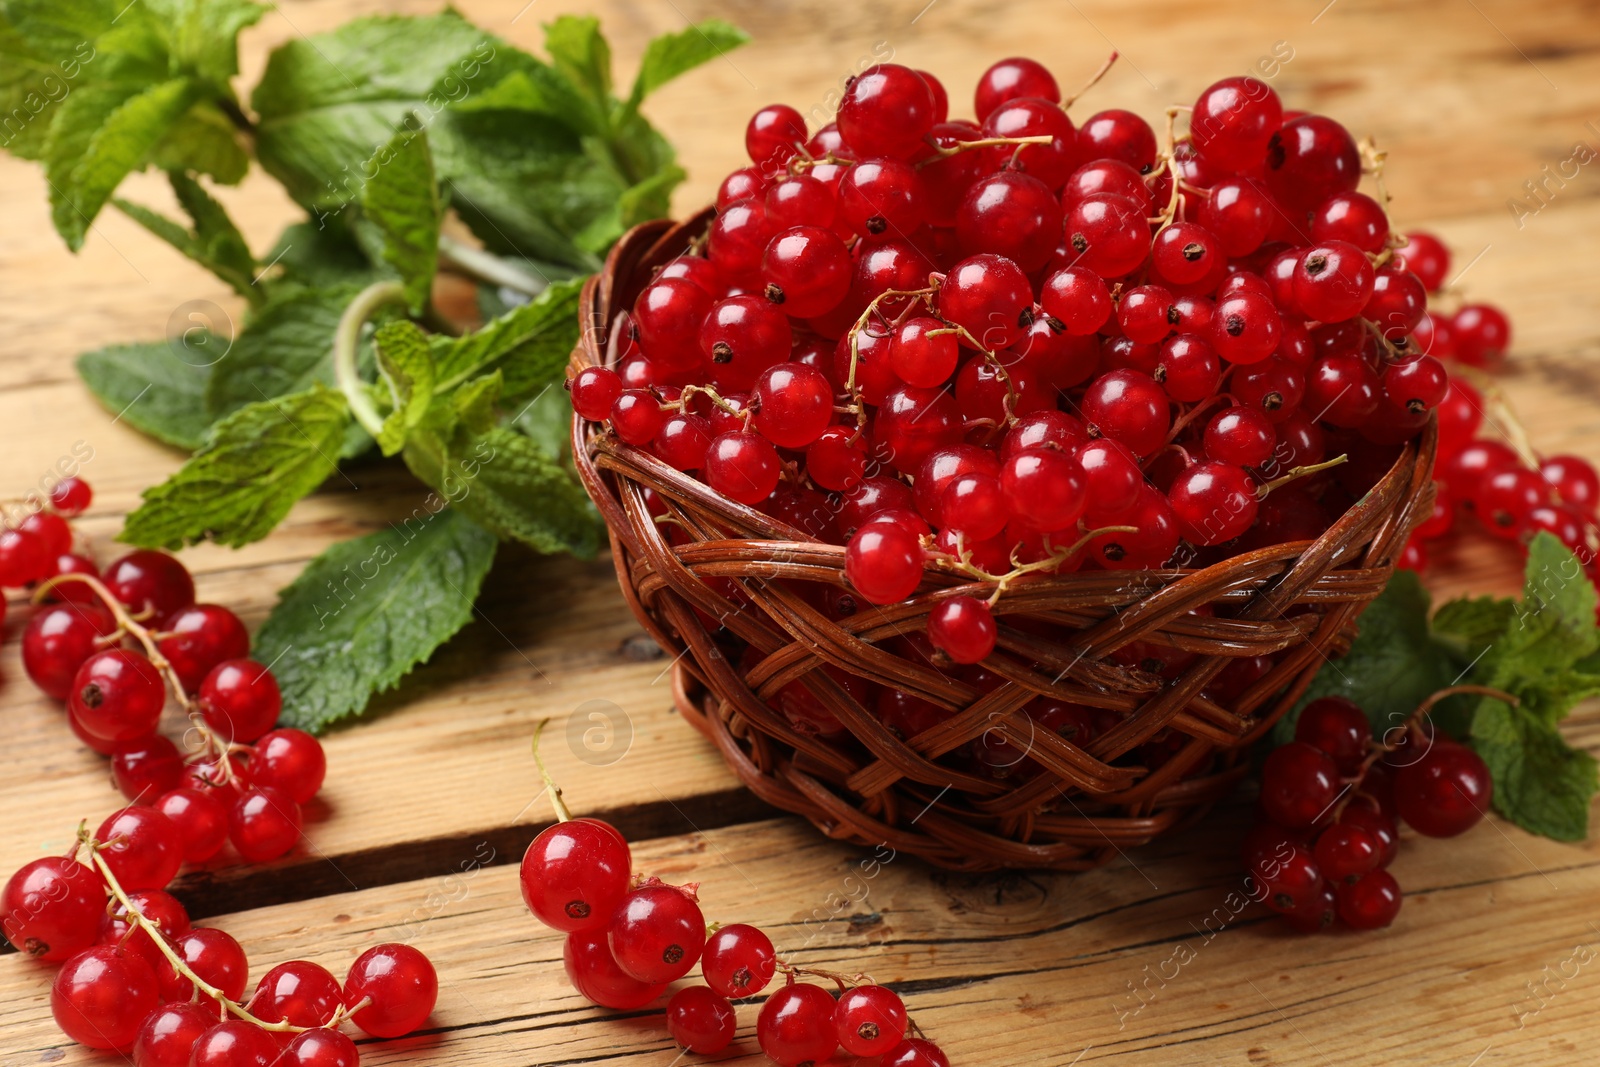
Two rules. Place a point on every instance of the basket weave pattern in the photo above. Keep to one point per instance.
(1297, 601)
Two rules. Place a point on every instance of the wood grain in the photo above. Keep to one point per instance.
(1471, 100)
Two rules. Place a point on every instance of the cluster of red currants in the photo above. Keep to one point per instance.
(628, 939)
(1331, 804)
(138, 978)
(1019, 344)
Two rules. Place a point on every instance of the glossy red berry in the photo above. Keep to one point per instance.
(887, 109)
(657, 933)
(1245, 328)
(700, 1020)
(1574, 480)
(1050, 163)
(298, 992)
(1238, 213)
(743, 466)
(201, 819)
(594, 390)
(150, 582)
(24, 559)
(401, 985)
(793, 404)
(71, 496)
(836, 460)
(196, 638)
(884, 562)
(683, 441)
(637, 416)
(594, 973)
(1187, 254)
(1232, 122)
(51, 908)
(738, 961)
(321, 1047)
(117, 696)
(1337, 727)
(235, 1043)
(1299, 784)
(102, 996)
(1425, 256)
(1371, 902)
(915, 1052)
(240, 699)
(58, 640)
(806, 270)
(1333, 281)
(1119, 135)
(963, 628)
(988, 296)
(1240, 435)
(1310, 159)
(1077, 298)
(668, 315)
(1345, 852)
(575, 873)
(1482, 334)
(168, 1035)
(1130, 408)
(1377, 825)
(1112, 476)
(142, 847)
(1013, 215)
(291, 761)
(215, 956)
(146, 768)
(870, 1020)
(774, 135)
(1342, 390)
(1109, 234)
(1445, 792)
(1213, 502)
(264, 824)
(1010, 79)
(796, 1025)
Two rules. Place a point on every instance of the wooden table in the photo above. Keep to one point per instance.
(432, 798)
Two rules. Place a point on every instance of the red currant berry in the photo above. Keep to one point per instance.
(668, 315)
(924, 352)
(1445, 792)
(1425, 256)
(400, 984)
(735, 243)
(24, 559)
(201, 819)
(117, 696)
(76, 592)
(1045, 488)
(683, 441)
(594, 973)
(289, 760)
(1333, 281)
(796, 1025)
(1299, 784)
(1111, 475)
(1506, 497)
(878, 196)
(211, 954)
(793, 403)
(146, 768)
(989, 297)
(742, 184)
(71, 497)
(871, 498)
(575, 873)
(1232, 122)
(836, 460)
(1143, 314)
(49, 530)
(1119, 135)
(1109, 234)
(888, 109)
(1245, 328)
(1371, 902)
(198, 637)
(57, 642)
(806, 270)
(1130, 408)
(1482, 334)
(911, 423)
(240, 699)
(102, 996)
(264, 824)
(915, 1052)
(298, 992)
(1187, 254)
(802, 200)
(1315, 914)
(774, 135)
(168, 1035)
(1012, 215)
(1238, 213)
(1375, 824)
(657, 933)
(1213, 502)
(1010, 79)
(1290, 880)
(637, 416)
(142, 848)
(1337, 727)
(51, 908)
(235, 1043)
(1345, 852)
(700, 1020)
(1154, 538)
(1574, 480)
(150, 582)
(321, 1047)
(884, 562)
(1351, 217)
(743, 466)
(963, 628)
(1341, 390)
(738, 961)
(870, 1020)
(594, 390)
(1050, 163)
(1310, 159)
(1240, 435)
(741, 337)
(1078, 299)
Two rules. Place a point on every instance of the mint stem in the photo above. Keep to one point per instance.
(488, 267)
(345, 339)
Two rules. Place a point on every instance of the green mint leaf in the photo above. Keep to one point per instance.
(284, 349)
(1540, 782)
(475, 404)
(204, 36)
(252, 468)
(407, 367)
(530, 345)
(581, 55)
(54, 28)
(673, 54)
(547, 422)
(328, 101)
(86, 164)
(366, 611)
(205, 141)
(1392, 666)
(1556, 623)
(325, 256)
(402, 198)
(148, 387)
(1476, 622)
(214, 243)
(508, 485)
(34, 80)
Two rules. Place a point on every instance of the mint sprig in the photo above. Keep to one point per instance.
(1543, 649)
(385, 131)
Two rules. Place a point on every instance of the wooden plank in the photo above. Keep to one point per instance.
(999, 969)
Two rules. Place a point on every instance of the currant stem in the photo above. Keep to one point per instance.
(136, 918)
(345, 339)
(562, 814)
(488, 267)
(1506, 417)
(682, 403)
(861, 324)
(963, 563)
(945, 152)
(1300, 472)
(1094, 79)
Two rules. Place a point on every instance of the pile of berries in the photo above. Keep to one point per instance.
(628, 939)
(117, 646)
(138, 978)
(1018, 344)
(1331, 804)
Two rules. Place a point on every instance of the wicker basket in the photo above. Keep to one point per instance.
(1298, 601)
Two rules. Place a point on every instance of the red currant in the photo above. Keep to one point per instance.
(1445, 792)
(240, 699)
(963, 628)
(117, 696)
(1371, 902)
(201, 819)
(196, 638)
(657, 933)
(401, 985)
(146, 768)
(168, 1035)
(263, 824)
(1299, 784)
(738, 961)
(743, 466)
(235, 1043)
(321, 1047)
(102, 996)
(594, 390)
(1010, 79)
(71, 496)
(806, 270)
(51, 908)
(1337, 727)
(700, 1020)
(298, 992)
(594, 973)
(1232, 122)
(575, 873)
(887, 108)
(884, 562)
(150, 582)
(796, 1025)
